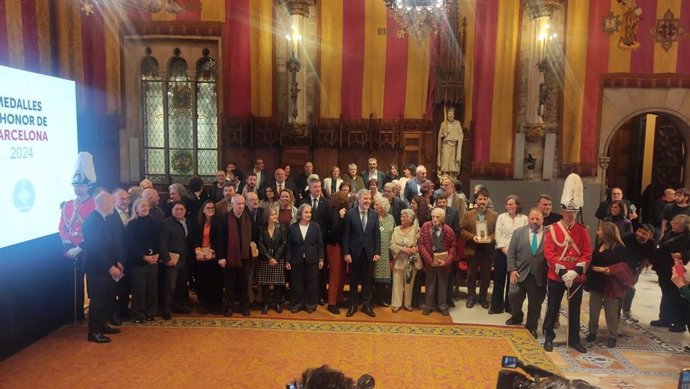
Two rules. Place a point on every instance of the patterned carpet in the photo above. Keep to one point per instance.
(213, 352)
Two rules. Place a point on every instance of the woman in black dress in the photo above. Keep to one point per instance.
(142, 257)
(271, 245)
(209, 242)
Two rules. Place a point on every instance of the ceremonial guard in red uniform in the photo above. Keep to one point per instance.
(568, 251)
(74, 212)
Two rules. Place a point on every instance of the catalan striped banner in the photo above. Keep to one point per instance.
(25, 35)
(366, 70)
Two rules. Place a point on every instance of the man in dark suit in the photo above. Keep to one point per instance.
(321, 214)
(102, 267)
(414, 186)
(527, 269)
(373, 172)
(174, 254)
(281, 182)
(361, 248)
(397, 205)
(261, 176)
(118, 222)
(258, 218)
(302, 182)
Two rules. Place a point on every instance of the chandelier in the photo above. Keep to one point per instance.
(151, 6)
(417, 18)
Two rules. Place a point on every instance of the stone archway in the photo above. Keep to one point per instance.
(621, 104)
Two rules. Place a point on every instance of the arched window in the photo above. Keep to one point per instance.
(180, 113)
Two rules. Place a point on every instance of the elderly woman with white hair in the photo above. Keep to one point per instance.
(406, 260)
(382, 271)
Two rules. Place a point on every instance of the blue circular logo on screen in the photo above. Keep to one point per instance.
(24, 196)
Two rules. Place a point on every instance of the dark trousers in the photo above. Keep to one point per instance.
(275, 297)
(181, 287)
(304, 283)
(209, 283)
(419, 281)
(336, 273)
(360, 274)
(499, 297)
(555, 291)
(626, 301)
(144, 290)
(101, 289)
(121, 301)
(436, 288)
(236, 279)
(480, 263)
(535, 297)
(77, 268)
(169, 280)
(673, 309)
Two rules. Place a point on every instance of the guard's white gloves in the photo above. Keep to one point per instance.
(569, 277)
(74, 251)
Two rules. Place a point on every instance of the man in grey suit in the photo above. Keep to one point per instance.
(527, 269)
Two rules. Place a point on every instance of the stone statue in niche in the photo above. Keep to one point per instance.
(450, 138)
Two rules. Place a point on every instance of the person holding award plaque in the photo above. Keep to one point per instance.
(209, 244)
(477, 228)
(437, 245)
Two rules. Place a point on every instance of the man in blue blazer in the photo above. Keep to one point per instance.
(361, 248)
(414, 186)
(527, 269)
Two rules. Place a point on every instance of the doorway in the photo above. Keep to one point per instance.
(648, 154)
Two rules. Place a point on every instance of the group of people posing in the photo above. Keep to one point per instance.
(391, 236)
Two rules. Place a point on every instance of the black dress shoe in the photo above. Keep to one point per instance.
(278, 307)
(108, 330)
(470, 302)
(494, 311)
(115, 321)
(351, 311)
(513, 322)
(368, 311)
(138, 320)
(149, 318)
(611, 343)
(451, 303)
(310, 310)
(445, 312)
(426, 312)
(676, 328)
(485, 304)
(322, 301)
(264, 309)
(246, 312)
(333, 309)
(591, 337)
(659, 323)
(579, 347)
(97, 337)
(166, 316)
(548, 345)
(296, 309)
(534, 334)
(227, 312)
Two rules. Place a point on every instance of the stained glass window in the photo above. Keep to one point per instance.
(180, 112)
